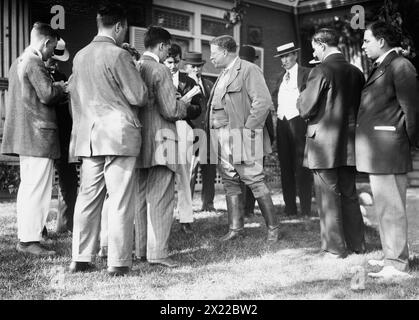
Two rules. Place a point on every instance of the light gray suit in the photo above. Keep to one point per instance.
(155, 197)
(106, 90)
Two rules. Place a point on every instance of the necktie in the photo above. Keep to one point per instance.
(287, 76)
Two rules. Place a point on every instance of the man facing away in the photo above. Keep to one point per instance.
(183, 85)
(31, 132)
(330, 103)
(157, 163)
(291, 131)
(237, 110)
(106, 92)
(385, 136)
(194, 64)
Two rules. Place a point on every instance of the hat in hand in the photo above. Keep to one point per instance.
(193, 58)
(285, 49)
(60, 52)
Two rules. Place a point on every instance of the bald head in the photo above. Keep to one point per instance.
(44, 39)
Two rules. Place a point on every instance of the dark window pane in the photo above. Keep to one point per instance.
(214, 27)
(172, 20)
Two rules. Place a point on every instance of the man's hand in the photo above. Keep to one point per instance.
(63, 85)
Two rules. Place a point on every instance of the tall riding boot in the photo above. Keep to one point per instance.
(235, 218)
(266, 206)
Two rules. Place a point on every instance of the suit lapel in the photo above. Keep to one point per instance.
(382, 68)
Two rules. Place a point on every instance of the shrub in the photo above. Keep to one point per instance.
(9, 178)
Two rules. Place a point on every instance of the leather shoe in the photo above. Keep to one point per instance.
(186, 228)
(330, 255)
(166, 262)
(231, 235)
(376, 263)
(118, 271)
(35, 249)
(208, 208)
(77, 266)
(388, 273)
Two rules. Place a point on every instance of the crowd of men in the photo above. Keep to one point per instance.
(138, 125)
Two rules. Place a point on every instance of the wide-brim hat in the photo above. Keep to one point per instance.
(285, 49)
(60, 52)
(248, 53)
(193, 58)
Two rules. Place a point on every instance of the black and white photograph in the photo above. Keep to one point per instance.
(209, 157)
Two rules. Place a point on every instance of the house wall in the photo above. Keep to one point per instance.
(268, 28)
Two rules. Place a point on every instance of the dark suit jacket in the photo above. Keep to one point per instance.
(199, 122)
(389, 99)
(330, 103)
(30, 127)
(160, 115)
(302, 77)
(194, 110)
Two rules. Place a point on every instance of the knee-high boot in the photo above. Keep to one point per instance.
(235, 218)
(267, 208)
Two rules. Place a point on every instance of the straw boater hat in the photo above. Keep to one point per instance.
(60, 52)
(285, 49)
(193, 58)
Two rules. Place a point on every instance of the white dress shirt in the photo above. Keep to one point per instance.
(288, 94)
(382, 57)
(175, 78)
(151, 54)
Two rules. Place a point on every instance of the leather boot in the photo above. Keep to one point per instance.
(266, 206)
(235, 218)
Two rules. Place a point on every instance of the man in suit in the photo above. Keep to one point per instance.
(67, 172)
(237, 110)
(248, 53)
(183, 85)
(157, 162)
(106, 93)
(330, 104)
(30, 132)
(291, 131)
(385, 136)
(193, 66)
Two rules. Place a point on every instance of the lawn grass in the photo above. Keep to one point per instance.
(293, 268)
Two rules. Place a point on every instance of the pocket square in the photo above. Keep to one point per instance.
(385, 128)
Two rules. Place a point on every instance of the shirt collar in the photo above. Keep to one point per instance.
(151, 54)
(38, 53)
(106, 36)
(330, 53)
(231, 64)
(293, 70)
(383, 56)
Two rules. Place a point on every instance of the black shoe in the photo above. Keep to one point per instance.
(118, 271)
(186, 228)
(77, 266)
(208, 208)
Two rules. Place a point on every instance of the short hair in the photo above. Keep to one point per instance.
(45, 30)
(226, 42)
(175, 50)
(327, 36)
(154, 35)
(383, 30)
(110, 14)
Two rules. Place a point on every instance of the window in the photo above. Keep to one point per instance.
(214, 27)
(172, 19)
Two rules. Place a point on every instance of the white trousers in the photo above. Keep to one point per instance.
(33, 197)
(183, 208)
